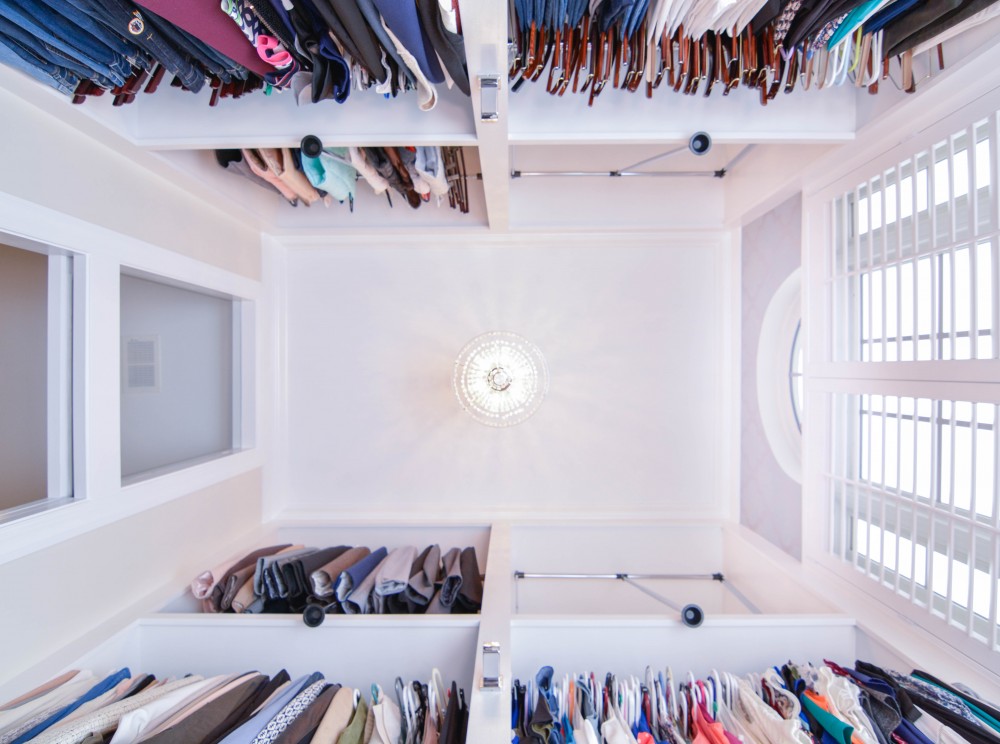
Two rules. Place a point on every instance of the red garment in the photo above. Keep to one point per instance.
(710, 729)
(205, 20)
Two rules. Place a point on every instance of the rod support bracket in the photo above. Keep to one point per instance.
(721, 173)
(718, 577)
(491, 679)
(489, 98)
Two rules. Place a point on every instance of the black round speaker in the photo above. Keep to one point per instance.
(700, 143)
(311, 145)
(692, 615)
(314, 615)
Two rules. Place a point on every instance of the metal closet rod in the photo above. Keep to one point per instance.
(621, 576)
(721, 173)
(631, 578)
(627, 171)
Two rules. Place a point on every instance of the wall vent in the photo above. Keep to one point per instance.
(141, 371)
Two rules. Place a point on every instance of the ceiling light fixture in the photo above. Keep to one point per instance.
(500, 378)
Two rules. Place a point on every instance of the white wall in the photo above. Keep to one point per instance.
(770, 500)
(56, 156)
(633, 334)
(190, 415)
(23, 328)
(58, 595)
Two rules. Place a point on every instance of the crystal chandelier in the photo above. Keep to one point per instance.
(500, 378)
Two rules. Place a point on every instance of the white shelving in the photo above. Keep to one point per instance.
(572, 636)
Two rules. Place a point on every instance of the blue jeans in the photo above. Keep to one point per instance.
(123, 46)
(38, 19)
(13, 55)
(118, 14)
(47, 55)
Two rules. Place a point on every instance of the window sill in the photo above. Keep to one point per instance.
(27, 533)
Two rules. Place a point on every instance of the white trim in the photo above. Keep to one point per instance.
(101, 255)
(42, 530)
(59, 396)
(732, 289)
(832, 315)
(777, 333)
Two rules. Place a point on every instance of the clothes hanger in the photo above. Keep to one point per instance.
(406, 709)
(636, 702)
(400, 701)
(683, 705)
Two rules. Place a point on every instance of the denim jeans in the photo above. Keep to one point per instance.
(49, 57)
(118, 14)
(15, 56)
(38, 19)
(116, 42)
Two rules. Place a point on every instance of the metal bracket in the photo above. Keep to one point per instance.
(492, 679)
(489, 97)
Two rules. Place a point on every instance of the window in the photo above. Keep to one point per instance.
(180, 376)
(914, 499)
(36, 379)
(795, 363)
(779, 375)
(914, 293)
(915, 260)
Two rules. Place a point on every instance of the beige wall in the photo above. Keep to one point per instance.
(23, 325)
(57, 595)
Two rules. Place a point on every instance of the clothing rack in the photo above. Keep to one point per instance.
(799, 701)
(767, 46)
(691, 614)
(630, 172)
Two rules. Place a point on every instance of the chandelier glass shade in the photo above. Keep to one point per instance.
(500, 378)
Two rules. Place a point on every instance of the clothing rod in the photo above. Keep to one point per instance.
(739, 156)
(618, 174)
(728, 586)
(666, 154)
(621, 576)
(650, 593)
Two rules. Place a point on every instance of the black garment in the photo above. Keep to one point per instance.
(331, 77)
(298, 570)
(214, 720)
(470, 596)
(906, 707)
(913, 695)
(768, 12)
(453, 728)
(917, 26)
(323, 11)
(883, 710)
(809, 22)
(306, 723)
(983, 705)
(361, 34)
(450, 47)
(275, 25)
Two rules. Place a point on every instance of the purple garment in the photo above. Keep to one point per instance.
(402, 20)
(206, 21)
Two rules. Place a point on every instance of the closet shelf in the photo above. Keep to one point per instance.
(619, 117)
(175, 119)
(218, 623)
(371, 211)
(750, 623)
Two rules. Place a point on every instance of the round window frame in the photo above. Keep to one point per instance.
(777, 335)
